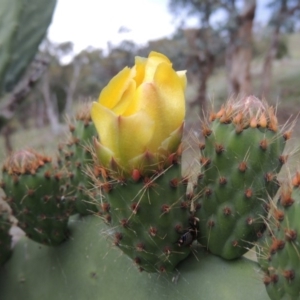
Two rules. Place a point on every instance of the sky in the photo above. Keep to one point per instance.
(95, 22)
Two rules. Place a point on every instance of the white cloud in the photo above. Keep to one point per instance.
(94, 23)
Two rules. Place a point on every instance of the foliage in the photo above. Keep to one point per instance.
(284, 13)
(262, 41)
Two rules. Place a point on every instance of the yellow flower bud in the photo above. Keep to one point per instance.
(140, 113)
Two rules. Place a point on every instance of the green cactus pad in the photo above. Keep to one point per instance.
(279, 248)
(87, 267)
(150, 218)
(240, 161)
(20, 38)
(76, 157)
(38, 195)
(5, 237)
(8, 22)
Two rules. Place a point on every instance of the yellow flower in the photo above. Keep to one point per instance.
(140, 113)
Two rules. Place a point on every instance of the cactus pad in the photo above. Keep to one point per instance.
(240, 159)
(76, 157)
(5, 237)
(87, 267)
(279, 248)
(37, 193)
(150, 218)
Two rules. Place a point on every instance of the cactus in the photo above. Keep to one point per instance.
(87, 267)
(151, 212)
(279, 248)
(5, 237)
(158, 202)
(242, 154)
(149, 217)
(20, 38)
(76, 156)
(38, 195)
(139, 149)
(23, 25)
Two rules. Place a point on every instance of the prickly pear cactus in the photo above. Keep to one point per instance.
(5, 237)
(87, 267)
(150, 217)
(279, 247)
(38, 194)
(136, 180)
(23, 25)
(139, 117)
(242, 154)
(76, 157)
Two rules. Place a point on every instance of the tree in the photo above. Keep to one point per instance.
(207, 43)
(239, 46)
(204, 43)
(283, 13)
(70, 78)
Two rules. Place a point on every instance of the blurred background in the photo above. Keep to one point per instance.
(228, 47)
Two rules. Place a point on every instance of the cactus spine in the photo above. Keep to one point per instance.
(240, 160)
(149, 215)
(38, 195)
(279, 248)
(76, 156)
(5, 237)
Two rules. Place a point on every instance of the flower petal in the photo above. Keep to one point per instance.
(135, 133)
(126, 99)
(182, 76)
(140, 113)
(145, 163)
(159, 57)
(171, 143)
(106, 125)
(112, 93)
(104, 154)
(123, 135)
(171, 95)
(164, 101)
(140, 65)
(153, 61)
